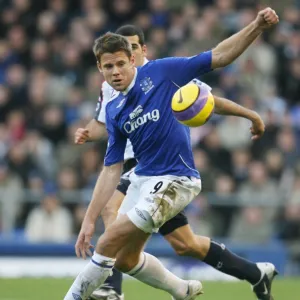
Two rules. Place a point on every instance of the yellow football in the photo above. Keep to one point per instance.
(193, 105)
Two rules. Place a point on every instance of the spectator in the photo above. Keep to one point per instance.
(223, 205)
(10, 198)
(219, 156)
(50, 222)
(234, 132)
(49, 85)
(240, 165)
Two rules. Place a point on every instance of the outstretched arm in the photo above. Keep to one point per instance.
(230, 49)
(105, 186)
(226, 107)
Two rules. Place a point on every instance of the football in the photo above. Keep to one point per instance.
(193, 105)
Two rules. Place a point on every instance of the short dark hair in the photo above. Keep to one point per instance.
(131, 30)
(111, 43)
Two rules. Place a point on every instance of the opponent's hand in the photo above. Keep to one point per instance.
(258, 128)
(81, 136)
(83, 245)
(266, 18)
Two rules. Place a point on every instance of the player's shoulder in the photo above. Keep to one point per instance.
(109, 92)
(151, 64)
(113, 103)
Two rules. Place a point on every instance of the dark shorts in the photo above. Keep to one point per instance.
(171, 225)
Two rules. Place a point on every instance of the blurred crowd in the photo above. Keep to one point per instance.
(49, 86)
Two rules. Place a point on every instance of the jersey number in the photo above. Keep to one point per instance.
(157, 187)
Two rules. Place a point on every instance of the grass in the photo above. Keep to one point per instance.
(55, 289)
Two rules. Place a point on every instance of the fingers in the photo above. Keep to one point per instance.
(270, 16)
(79, 244)
(86, 247)
(83, 246)
(81, 136)
(256, 133)
(89, 251)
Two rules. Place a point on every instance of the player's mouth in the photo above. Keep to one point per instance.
(117, 81)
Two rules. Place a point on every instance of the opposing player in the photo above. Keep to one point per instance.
(176, 231)
(165, 180)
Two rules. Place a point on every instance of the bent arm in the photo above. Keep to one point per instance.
(96, 130)
(227, 107)
(104, 189)
(230, 49)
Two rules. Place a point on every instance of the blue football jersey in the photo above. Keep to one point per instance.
(143, 114)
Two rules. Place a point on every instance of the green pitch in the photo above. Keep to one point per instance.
(55, 289)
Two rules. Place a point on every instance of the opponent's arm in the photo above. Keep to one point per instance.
(226, 107)
(230, 49)
(105, 187)
(93, 131)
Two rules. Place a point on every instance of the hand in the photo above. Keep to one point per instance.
(258, 128)
(83, 245)
(266, 18)
(81, 136)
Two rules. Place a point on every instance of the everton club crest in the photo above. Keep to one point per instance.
(146, 85)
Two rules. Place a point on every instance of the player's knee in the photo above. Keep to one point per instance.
(126, 263)
(183, 248)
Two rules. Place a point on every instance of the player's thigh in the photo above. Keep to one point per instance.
(173, 224)
(160, 199)
(123, 185)
(118, 235)
(131, 198)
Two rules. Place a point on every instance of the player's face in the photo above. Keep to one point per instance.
(117, 69)
(140, 52)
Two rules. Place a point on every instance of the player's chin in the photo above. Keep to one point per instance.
(119, 86)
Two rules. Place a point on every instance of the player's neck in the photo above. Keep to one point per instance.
(130, 86)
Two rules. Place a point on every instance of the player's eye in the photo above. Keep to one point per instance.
(121, 64)
(108, 67)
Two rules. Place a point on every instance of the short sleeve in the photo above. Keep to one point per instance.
(182, 70)
(116, 144)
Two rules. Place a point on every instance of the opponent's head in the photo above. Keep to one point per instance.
(136, 38)
(115, 60)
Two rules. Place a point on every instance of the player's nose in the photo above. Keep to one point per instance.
(116, 70)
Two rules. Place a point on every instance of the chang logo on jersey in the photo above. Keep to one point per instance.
(136, 112)
(132, 125)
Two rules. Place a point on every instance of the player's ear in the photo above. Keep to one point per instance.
(132, 60)
(144, 50)
(99, 66)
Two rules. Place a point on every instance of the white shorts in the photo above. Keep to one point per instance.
(153, 200)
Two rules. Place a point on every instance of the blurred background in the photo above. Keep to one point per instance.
(49, 86)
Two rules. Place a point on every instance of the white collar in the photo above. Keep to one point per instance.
(134, 79)
(126, 91)
(145, 61)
